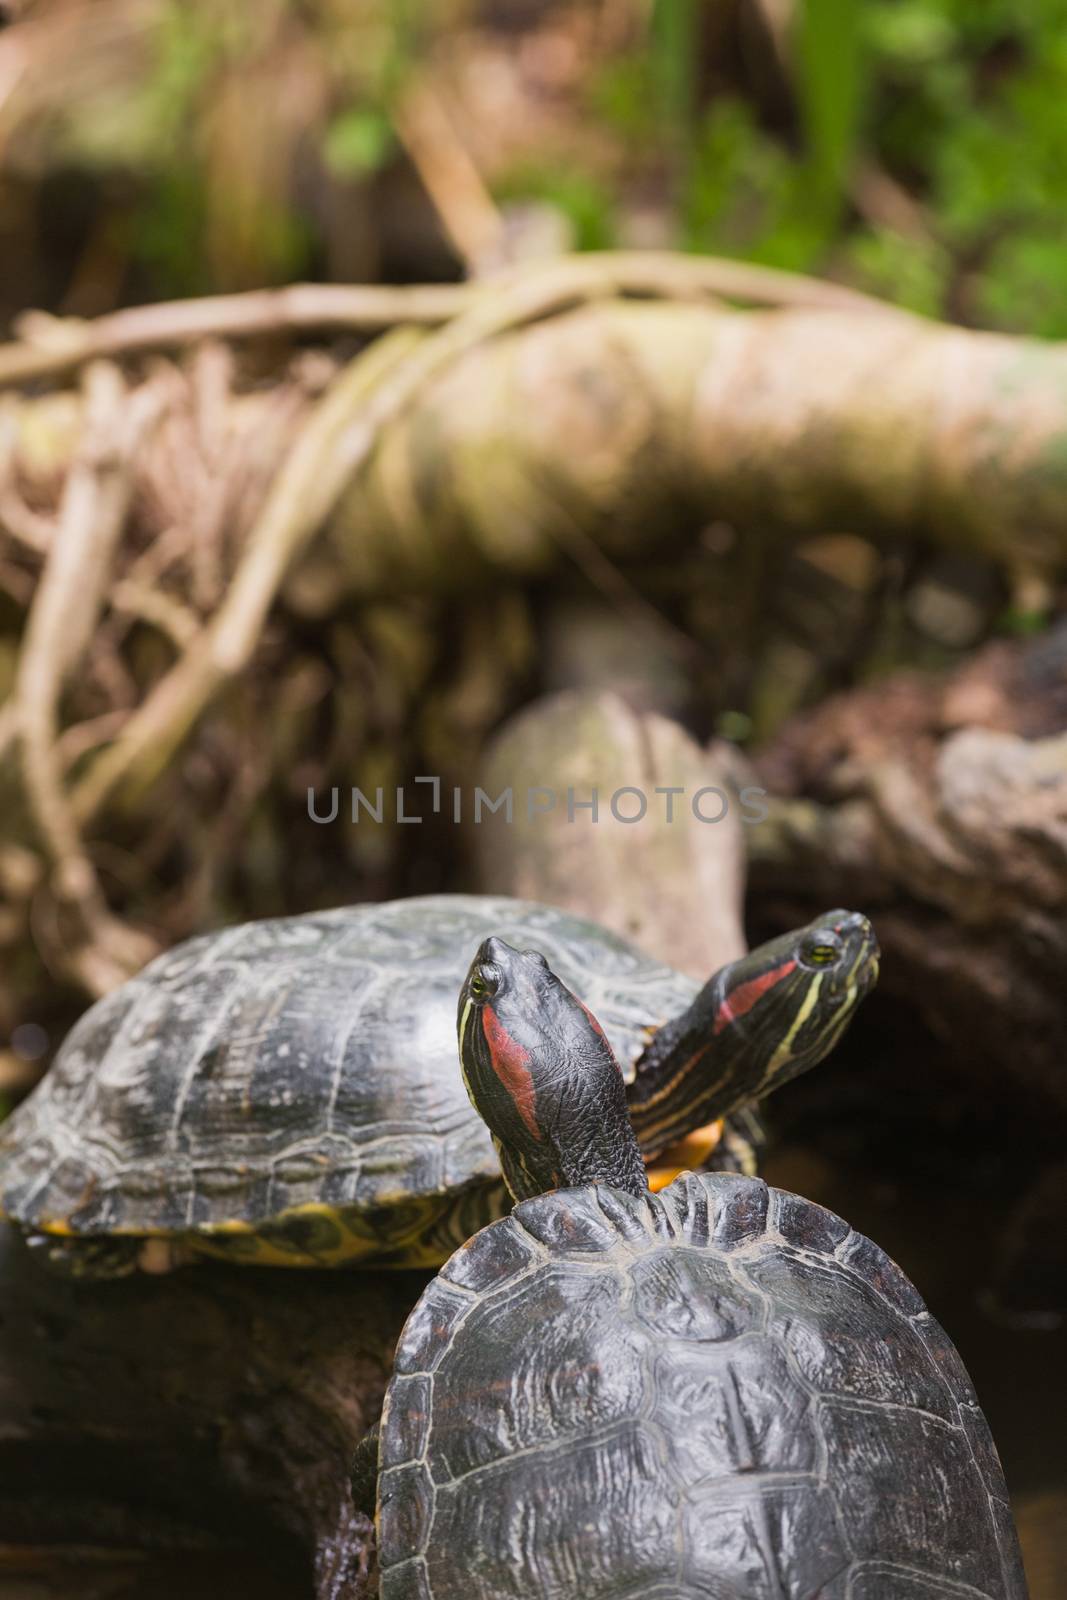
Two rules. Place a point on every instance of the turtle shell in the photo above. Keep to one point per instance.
(303, 1064)
(718, 1391)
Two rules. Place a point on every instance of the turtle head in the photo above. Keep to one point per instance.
(790, 1000)
(757, 1023)
(505, 979)
(541, 1074)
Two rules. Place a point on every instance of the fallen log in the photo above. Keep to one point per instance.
(919, 798)
(208, 1408)
(585, 414)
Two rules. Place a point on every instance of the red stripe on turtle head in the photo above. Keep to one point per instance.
(510, 1063)
(745, 996)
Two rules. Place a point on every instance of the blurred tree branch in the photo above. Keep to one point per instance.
(49, 347)
(612, 398)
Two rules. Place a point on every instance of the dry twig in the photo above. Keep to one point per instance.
(58, 632)
(450, 178)
(306, 307)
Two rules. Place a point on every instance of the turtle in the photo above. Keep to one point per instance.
(287, 1092)
(717, 1392)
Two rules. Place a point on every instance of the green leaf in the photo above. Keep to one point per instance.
(831, 62)
(675, 51)
(358, 142)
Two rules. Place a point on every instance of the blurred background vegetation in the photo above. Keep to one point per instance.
(913, 149)
(158, 148)
(169, 147)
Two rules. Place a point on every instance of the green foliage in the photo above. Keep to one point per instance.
(674, 43)
(358, 142)
(913, 147)
(830, 80)
(746, 197)
(585, 200)
(954, 105)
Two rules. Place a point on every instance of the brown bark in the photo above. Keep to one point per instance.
(213, 1406)
(917, 800)
(940, 807)
(674, 888)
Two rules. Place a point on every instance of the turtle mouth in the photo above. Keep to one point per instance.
(863, 972)
(867, 975)
(857, 980)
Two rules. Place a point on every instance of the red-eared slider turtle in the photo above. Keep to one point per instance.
(720, 1392)
(288, 1092)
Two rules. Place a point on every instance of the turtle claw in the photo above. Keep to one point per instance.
(85, 1258)
(102, 1257)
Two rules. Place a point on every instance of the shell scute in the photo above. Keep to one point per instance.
(429, 1327)
(932, 1505)
(409, 1490)
(153, 1183)
(692, 1295)
(687, 1203)
(807, 1226)
(238, 1049)
(741, 1406)
(845, 1337)
(881, 1270)
(508, 1253)
(881, 1582)
(945, 1356)
(408, 1427)
(741, 1214)
(772, 1540)
(582, 1228)
(410, 1581)
(539, 1526)
(522, 1397)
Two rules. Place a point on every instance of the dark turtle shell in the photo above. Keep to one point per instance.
(305, 1065)
(718, 1391)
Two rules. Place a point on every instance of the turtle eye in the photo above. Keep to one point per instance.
(821, 949)
(483, 984)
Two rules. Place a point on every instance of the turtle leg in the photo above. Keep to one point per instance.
(365, 1472)
(744, 1139)
(692, 1154)
(733, 1144)
(104, 1256)
(86, 1258)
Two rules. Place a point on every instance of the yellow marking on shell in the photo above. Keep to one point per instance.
(403, 1251)
(210, 1239)
(218, 1241)
(61, 1229)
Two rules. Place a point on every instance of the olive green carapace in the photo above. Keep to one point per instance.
(288, 1093)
